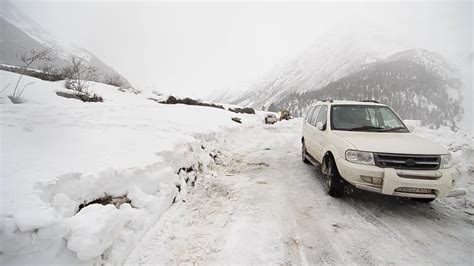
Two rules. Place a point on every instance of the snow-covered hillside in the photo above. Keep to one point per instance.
(418, 84)
(367, 66)
(467, 72)
(333, 56)
(21, 33)
(58, 153)
(431, 60)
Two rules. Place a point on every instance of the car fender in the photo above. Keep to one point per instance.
(328, 150)
(336, 146)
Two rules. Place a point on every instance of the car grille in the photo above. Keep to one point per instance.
(407, 161)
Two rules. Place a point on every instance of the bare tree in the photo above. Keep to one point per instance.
(28, 58)
(78, 75)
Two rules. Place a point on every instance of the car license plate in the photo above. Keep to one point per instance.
(414, 190)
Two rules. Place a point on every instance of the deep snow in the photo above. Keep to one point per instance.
(57, 153)
(247, 197)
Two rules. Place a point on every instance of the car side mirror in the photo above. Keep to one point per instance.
(320, 126)
(411, 128)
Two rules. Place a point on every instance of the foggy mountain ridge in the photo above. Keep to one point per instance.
(417, 83)
(223, 95)
(20, 32)
(433, 61)
(334, 55)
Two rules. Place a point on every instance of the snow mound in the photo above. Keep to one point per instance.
(58, 154)
(90, 239)
(461, 146)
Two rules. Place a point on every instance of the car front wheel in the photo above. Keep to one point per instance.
(304, 154)
(334, 181)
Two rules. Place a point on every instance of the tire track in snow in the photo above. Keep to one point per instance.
(280, 213)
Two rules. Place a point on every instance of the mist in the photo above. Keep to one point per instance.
(250, 133)
(196, 49)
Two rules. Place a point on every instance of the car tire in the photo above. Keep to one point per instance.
(423, 200)
(334, 182)
(304, 154)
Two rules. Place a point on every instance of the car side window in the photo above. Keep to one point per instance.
(308, 115)
(323, 115)
(312, 120)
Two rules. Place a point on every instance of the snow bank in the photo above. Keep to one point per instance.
(461, 145)
(59, 153)
(93, 230)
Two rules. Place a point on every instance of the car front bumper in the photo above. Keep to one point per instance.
(438, 182)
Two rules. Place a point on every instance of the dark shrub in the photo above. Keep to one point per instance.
(81, 96)
(246, 110)
(188, 101)
(171, 100)
(48, 76)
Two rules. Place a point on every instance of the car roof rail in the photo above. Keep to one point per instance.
(369, 101)
(327, 100)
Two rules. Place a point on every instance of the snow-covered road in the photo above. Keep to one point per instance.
(261, 204)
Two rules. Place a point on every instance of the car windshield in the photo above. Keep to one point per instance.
(374, 118)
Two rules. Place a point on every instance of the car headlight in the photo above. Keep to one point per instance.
(446, 161)
(360, 157)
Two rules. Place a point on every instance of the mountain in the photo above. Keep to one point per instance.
(21, 33)
(432, 61)
(330, 58)
(467, 71)
(417, 83)
(224, 95)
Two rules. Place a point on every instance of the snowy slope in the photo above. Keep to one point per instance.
(431, 60)
(57, 153)
(12, 14)
(467, 74)
(334, 55)
(20, 32)
(417, 83)
(224, 95)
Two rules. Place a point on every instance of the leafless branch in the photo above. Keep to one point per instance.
(32, 56)
(78, 75)
(5, 88)
(28, 58)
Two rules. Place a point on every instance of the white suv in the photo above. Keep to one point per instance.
(367, 145)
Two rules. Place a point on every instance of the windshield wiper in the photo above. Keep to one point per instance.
(392, 129)
(366, 128)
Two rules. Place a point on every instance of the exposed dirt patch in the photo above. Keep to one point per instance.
(107, 199)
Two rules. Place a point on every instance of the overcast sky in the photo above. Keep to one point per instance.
(196, 48)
